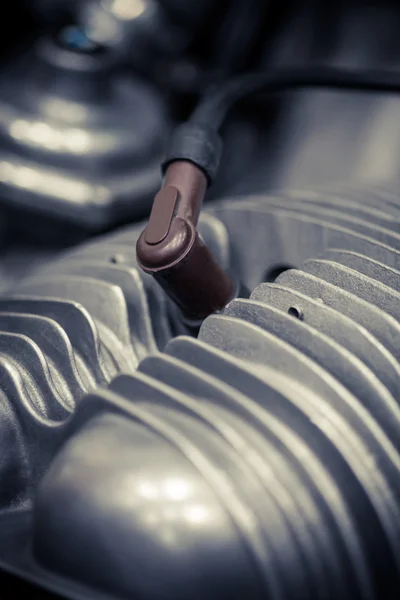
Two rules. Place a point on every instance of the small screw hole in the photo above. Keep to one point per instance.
(117, 259)
(296, 312)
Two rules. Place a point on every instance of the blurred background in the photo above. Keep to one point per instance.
(90, 90)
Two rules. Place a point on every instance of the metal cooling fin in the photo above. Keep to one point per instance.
(259, 460)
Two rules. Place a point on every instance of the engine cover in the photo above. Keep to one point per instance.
(259, 460)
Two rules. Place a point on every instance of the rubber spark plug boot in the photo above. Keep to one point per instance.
(171, 249)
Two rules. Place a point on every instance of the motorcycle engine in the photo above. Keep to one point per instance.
(251, 450)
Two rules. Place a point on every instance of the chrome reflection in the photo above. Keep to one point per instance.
(46, 136)
(125, 9)
(50, 183)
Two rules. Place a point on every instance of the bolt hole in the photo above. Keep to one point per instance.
(296, 312)
(117, 259)
(273, 272)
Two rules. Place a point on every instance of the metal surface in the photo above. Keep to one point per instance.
(261, 459)
(81, 141)
(140, 31)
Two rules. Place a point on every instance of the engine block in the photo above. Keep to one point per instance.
(259, 460)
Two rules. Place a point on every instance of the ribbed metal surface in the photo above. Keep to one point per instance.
(260, 460)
